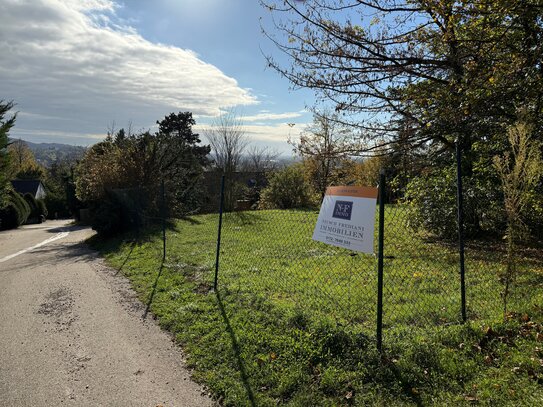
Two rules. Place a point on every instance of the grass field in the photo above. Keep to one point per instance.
(294, 320)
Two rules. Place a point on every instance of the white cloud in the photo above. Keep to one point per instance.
(91, 5)
(267, 116)
(76, 60)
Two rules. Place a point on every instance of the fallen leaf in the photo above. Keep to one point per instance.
(471, 398)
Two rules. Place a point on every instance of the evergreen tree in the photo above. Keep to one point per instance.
(5, 125)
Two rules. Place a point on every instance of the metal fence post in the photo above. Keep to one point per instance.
(163, 210)
(460, 208)
(380, 261)
(221, 205)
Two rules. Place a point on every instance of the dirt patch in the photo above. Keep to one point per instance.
(58, 306)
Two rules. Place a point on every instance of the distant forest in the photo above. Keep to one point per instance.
(48, 153)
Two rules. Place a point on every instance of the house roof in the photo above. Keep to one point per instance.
(24, 186)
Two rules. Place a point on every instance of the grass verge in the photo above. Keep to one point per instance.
(292, 323)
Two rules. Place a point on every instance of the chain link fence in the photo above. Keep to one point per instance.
(267, 258)
(488, 293)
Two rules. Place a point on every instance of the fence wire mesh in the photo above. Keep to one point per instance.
(495, 290)
(269, 260)
(271, 253)
(421, 275)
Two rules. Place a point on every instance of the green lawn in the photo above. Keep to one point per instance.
(294, 321)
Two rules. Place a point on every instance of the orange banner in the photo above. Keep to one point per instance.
(358, 192)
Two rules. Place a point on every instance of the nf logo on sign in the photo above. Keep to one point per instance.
(347, 218)
(343, 210)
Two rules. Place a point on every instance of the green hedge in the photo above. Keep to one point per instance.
(15, 212)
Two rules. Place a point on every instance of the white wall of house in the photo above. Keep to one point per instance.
(40, 194)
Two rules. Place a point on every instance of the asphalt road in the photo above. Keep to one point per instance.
(72, 332)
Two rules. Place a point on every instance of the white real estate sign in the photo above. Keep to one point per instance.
(347, 218)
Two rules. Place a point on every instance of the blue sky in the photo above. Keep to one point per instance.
(75, 66)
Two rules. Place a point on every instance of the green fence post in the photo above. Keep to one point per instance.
(221, 205)
(460, 218)
(163, 210)
(380, 261)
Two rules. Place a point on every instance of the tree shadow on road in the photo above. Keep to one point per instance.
(61, 229)
(50, 255)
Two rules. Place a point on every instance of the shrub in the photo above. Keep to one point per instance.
(15, 212)
(56, 205)
(106, 219)
(288, 189)
(31, 201)
(432, 199)
(9, 217)
(42, 208)
(119, 211)
(23, 208)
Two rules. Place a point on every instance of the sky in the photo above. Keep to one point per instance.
(76, 67)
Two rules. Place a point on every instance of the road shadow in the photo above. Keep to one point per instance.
(237, 351)
(50, 255)
(67, 228)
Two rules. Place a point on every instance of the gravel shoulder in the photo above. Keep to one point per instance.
(72, 332)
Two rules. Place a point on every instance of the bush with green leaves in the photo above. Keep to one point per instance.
(42, 208)
(106, 219)
(38, 210)
(288, 189)
(15, 212)
(57, 206)
(120, 210)
(432, 199)
(31, 201)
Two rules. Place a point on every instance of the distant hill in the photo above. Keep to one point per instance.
(47, 153)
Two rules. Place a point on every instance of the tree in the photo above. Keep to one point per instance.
(124, 172)
(228, 142)
(288, 189)
(60, 185)
(519, 170)
(5, 125)
(366, 171)
(23, 164)
(417, 76)
(181, 160)
(323, 146)
(260, 159)
(98, 172)
(454, 69)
